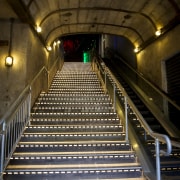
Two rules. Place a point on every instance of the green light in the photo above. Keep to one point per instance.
(86, 57)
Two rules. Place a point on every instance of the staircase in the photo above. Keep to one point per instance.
(74, 133)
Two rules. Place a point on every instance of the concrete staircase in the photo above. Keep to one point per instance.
(74, 134)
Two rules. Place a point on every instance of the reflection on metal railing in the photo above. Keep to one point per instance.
(112, 85)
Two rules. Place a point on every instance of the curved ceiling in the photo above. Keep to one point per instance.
(137, 20)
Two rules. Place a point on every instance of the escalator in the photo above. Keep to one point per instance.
(170, 166)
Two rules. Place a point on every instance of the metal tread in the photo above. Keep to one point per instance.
(78, 143)
(72, 153)
(74, 167)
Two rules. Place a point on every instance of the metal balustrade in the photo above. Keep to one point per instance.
(12, 125)
(112, 85)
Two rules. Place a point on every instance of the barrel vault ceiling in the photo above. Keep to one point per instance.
(137, 20)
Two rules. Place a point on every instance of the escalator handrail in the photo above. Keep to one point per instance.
(161, 137)
(174, 142)
(162, 93)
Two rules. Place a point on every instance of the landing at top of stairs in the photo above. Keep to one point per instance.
(76, 66)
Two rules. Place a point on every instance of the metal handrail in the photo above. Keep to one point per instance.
(15, 118)
(37, 75)
(14, 105)
(157, 136)
(12, 124)
(162, 93)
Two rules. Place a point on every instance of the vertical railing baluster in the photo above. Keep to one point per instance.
(12, 129)
(105, 76)
(3, 146)
(126, 118)
(158, 170)
(114, 95)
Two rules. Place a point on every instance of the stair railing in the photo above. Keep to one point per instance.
(104, 71)
(12, 125)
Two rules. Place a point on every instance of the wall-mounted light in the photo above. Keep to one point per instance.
(49, 48)
(55, 43)
(9, 61)
(136, 49)
(158, 32)
(39, 29)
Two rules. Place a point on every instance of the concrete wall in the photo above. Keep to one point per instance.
(30, 56)
(123, 47)
(151, 59)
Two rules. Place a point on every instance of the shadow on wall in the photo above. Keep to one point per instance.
(119, 46)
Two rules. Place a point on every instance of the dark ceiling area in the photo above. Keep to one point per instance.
(75, 45)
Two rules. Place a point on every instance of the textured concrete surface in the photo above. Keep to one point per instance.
(135, 21)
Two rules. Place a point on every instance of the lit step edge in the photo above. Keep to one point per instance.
(139, 178)
(74, 134)
(75, 126)
(81, 113)
(76, 143)
(83, 153)
(73, 167)
(74, 119)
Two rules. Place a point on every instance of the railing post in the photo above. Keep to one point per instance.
(2, 147)
(114, 95)
(145, 135)
(105, 81)
(29, 106)
(158, 170)
(126, 118)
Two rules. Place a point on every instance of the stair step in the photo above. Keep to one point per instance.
(36, 137)
(75, 115)
(72, 146)
(76, 154)
(69, 121)
(74, 90)
(73, 104)
(70, 95)
(73, 110)
(92, 175)
(126, 157)
(74, 167)
(74, 128)
(77, 143)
